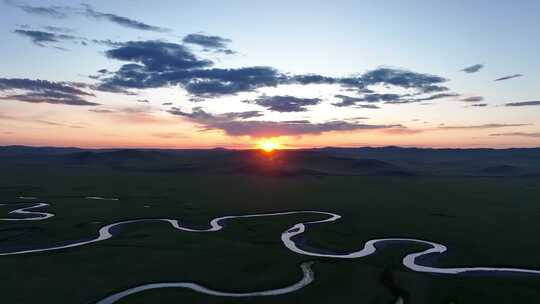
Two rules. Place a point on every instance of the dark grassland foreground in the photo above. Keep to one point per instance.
(484, 221)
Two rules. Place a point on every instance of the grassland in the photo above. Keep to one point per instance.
(484, 221)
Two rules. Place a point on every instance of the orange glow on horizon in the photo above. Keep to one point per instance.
(268, 145)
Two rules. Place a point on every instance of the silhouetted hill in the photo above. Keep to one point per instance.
(394, 161)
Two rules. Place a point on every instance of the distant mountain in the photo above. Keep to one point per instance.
(393, 161)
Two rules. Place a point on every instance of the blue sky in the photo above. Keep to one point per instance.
(335, 39)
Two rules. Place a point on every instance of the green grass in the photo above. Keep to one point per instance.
(483, 221)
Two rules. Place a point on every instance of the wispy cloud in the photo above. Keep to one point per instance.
(215, 43)
(519, 134)
(484, 126)
(257, 128)
(43, 91)
(121, 20)
(508, 77)
(472, 99)
(285, 103)
(523, 103)
(42, 38)
(88, 11)
(473, 68)
(48, 11)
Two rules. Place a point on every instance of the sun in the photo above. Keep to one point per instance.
(268, 145)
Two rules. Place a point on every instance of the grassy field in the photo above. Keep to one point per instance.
(483, 221)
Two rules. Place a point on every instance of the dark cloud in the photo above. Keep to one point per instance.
(481, 105)
(89, 11)
(436, 96)
(523, 103)
(285, 103)
(311, 79)
(43, 91)
(143, 100)
(53, 38)
(242, 115)
(37, 85)
(158, 64)
(367, 106)
(521, 134)
(347, 100)
(387, 98)
(216, 82)
(121, 20)
(48, 11)
(508, 77)
(473, 68)
(298, 121)
(234, 127)
(425, 83)
(370, 98)
(50, 97)
(484, 126)
(42, 38)
(472, 99)
(101, 111)
(58, 29)
(167, 104)
(215, 43)
(427, 98)
(157, 56)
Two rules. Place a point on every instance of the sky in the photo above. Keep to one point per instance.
(205, 74)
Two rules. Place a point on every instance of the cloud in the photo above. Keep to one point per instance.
(473, 68)
(472, 99)
(167, 104)
(37, 121)
(143, 100)
(48, 11)
(101, 111)
(484, 126)
(242, 115)
(523, 103)
(427, 98)
(368, 106)
(121, 20)
(387, 98)
(43, 91)
(521, 134)
(42, 38)
(89, 11)
(402, 131)
(508, 77)
(479, 105)
(36, 85)
(58, 29)
(435, 96)
(156, 63)
(156, 56)
(50, 97)
(216, 82)
(370, 98)
(215, 43)
(56, 35)
(425, 83)
(253, 128)
(285, 103)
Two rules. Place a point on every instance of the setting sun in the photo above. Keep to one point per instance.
(268, 145)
